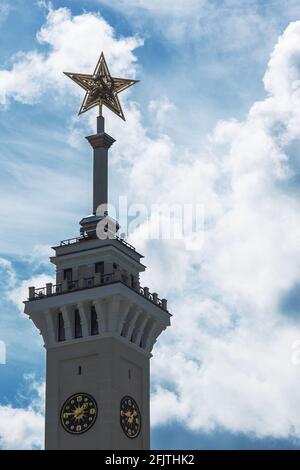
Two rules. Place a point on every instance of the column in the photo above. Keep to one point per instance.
(84, 312)
(100, 142)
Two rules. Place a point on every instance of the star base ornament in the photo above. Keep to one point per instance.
(101, 88)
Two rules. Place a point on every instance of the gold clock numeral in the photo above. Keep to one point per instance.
(78, 413)
(130, 417)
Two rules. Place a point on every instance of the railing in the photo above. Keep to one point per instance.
(125, 243)
(87, 283)
(72, 241)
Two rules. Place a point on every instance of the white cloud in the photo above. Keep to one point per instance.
(232, 24)
(8, 278)
(20, 291)
(4, 11)
(22, 428)
(235, 376)
(161, 110)
(175, 19)
(75, 43)
(226, 361)
(39, 256)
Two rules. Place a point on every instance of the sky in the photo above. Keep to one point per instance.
(215, 122)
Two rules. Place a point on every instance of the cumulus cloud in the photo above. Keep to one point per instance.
(20, 291)
(161, 110)
(229, 23)
(8, 278)
(230, 343)
(27, 431)
(74, 43)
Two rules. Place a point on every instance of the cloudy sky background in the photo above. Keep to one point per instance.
(215, 121)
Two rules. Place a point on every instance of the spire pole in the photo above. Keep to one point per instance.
(101, 89)
(100, 142)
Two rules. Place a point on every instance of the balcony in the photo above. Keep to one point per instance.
(96, 281)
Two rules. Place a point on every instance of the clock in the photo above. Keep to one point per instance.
(78, 413)
(130, 417)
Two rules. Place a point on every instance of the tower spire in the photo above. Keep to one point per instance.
(101, 89)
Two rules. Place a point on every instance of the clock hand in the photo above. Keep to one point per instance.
(130, 417)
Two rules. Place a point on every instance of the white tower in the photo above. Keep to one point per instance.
(98, 324)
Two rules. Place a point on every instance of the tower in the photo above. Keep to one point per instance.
(97, 322)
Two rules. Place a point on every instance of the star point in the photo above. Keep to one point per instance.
(101, 88)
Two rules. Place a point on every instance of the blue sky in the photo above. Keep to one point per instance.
(215, 121)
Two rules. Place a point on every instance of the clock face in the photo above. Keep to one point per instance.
(78, 413)
(130, 417)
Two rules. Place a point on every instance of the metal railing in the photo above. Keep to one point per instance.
(72, 241)
(95, 281)
(125, 243)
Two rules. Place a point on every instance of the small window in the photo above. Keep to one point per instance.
(94, 322)
(77, 325)
(115, 266)
(68, 274)
(132, 282)
(99, 267)
(61, 336)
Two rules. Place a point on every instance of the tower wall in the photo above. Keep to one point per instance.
(109, 370)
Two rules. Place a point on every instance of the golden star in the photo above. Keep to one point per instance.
(101, 88)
